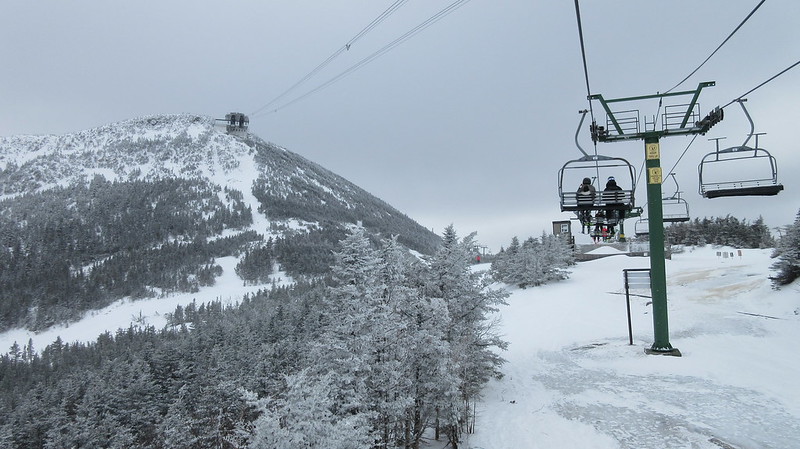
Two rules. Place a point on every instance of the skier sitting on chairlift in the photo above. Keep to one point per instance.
(586, 194)
(599, 222)
(616, 209)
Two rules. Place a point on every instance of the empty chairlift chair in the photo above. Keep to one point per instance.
(739, 170)
(642, 227)
(675, 209)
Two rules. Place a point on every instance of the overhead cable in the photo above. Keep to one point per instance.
(408, 35)
(391, 9)
(672, 170)
(760, 85)
(583, 54)
(720, 45)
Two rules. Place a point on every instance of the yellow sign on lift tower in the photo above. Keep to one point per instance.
(654, 175)
(653, 151)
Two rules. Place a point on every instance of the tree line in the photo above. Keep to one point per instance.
(787, 253)
(726, 231)
(730, 231)
(384, 350)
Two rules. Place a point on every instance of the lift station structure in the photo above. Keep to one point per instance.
(236, 123)
(624, 124)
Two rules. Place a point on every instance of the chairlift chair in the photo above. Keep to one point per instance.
(762, 171)
(597, 168)
(675, 209)
(642, 227)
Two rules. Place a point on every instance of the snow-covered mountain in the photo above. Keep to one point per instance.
(110, 210)
(190, 146)
(149, 147)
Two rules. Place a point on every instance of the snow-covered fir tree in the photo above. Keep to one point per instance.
(788, 255)
(535, 262)
(470, 333)
(402, 344)
(306, 418)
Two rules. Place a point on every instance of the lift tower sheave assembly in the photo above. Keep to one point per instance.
(624, 124)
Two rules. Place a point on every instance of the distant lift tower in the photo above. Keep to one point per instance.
(236, 123)
(624, 124)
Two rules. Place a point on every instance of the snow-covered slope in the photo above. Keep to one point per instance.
(224, 178)
(572, 380)
(191, 146)
(140, 313)
(148, 147)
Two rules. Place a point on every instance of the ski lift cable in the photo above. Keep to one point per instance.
(586, 77)
(400, 40)
(375, 22)
(408, 35)
(583, 55)
(720, 46)
(389, 11)
(641, 170)
(760, 85)
(672, 170)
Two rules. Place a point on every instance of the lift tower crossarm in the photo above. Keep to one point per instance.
(683, 129)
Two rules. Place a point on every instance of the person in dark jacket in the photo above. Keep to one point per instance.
(613, 197)
(599, 223)
(586, 192)
(585, 197)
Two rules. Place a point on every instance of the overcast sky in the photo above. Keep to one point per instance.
(468, 122)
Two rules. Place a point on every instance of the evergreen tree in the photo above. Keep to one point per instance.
(470, 333)
(788, 254)
(728, 231)
(557, 255)
(306, 418)
(175, 430)
(349, 347)
(535, 262)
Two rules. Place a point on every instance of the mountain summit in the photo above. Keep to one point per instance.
(143, 207)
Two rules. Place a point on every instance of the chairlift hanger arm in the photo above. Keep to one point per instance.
(577, 131)
(677, 194)
(750, 119)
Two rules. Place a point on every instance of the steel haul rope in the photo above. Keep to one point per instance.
(391, 9)
(385, 49)
(720, 46)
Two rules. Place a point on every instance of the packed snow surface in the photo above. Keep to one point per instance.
(573, 381)
(605, 250)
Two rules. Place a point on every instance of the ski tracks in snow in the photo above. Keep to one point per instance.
(572, 381)
(564, 404)
(663, 411)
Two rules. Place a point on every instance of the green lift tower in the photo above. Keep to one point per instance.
(624, 124)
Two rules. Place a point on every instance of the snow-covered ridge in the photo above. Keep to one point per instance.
(143, 148)
(162, 146)
(193, 146)
(285, 194)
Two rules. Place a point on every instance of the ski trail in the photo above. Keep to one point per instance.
(572, 381)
